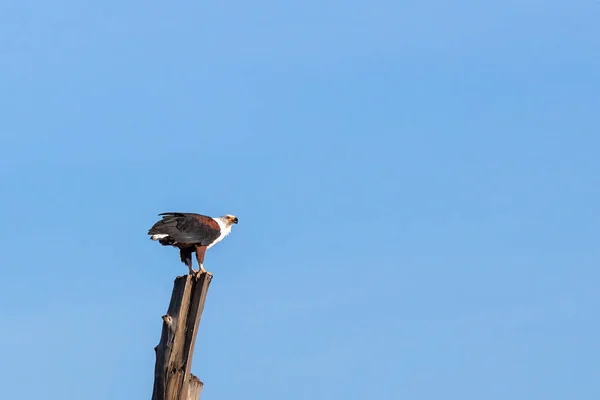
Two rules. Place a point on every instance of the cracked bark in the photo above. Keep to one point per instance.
(172, 377)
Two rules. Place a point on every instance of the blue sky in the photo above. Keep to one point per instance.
(416, 182)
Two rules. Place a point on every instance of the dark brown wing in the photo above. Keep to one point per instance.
(187, 228)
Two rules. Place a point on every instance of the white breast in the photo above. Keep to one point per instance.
(225, 230)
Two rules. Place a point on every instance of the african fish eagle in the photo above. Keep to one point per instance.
(191, 233)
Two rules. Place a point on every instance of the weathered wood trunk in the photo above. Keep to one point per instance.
(172, 377)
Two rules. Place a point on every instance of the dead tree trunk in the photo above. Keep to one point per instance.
(172, 377)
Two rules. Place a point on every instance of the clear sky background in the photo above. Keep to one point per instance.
(417, 185)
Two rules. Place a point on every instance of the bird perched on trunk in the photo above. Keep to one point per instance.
(191, 233)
